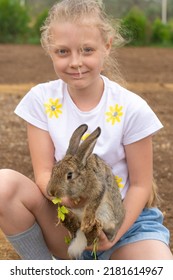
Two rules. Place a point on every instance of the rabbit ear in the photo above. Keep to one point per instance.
(75, 139)
(86, 148)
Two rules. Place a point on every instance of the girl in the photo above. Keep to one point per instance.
(79, 37)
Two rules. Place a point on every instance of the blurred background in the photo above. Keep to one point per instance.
(147, 22)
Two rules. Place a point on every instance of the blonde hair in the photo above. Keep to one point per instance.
(87, 12)
(154, 199)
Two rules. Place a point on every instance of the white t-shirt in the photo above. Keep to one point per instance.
(123, 117)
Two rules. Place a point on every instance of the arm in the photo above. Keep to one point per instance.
(42, 154)
(140, 164)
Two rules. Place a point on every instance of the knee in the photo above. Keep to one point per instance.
(8, 185)
(16, 188)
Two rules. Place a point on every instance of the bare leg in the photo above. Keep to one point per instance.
(143, 250)
(22, 204)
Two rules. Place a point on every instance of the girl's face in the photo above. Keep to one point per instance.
(78, 53)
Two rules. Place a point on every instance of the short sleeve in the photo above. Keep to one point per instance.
(31, 108)
(140, 122)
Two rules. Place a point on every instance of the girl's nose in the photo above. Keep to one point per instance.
(76, 61)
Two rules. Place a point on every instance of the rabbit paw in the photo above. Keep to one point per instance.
(88, 225)
(94, 233)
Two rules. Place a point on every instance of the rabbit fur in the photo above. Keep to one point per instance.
(83, 175)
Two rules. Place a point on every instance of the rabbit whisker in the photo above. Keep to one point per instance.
(80, 73)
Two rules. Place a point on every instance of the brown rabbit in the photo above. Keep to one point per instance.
(83, 175)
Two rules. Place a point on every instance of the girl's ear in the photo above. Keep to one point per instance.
(50, 54)
(108, 46)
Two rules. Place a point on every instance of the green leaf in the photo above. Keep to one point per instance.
(56, 200)
(64, 210)
(67, 240)
(61, 215)
(95, 246)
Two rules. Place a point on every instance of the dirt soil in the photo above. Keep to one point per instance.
(148, 72)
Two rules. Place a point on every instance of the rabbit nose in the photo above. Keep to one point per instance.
(50, 192)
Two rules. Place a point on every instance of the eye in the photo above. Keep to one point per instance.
(62, 52)
(87, 50)
(69, 175)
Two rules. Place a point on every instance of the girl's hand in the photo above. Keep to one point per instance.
(103, 243)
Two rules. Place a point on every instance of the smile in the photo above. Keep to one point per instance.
(77, 74)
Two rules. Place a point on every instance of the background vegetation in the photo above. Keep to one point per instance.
(20, 20)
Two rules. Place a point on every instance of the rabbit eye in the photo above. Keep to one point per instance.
(69, 175)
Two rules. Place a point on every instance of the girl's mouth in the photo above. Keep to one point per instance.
(78, 75)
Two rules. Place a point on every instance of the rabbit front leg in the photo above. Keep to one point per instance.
(94, 233)
(89, 216)
(72, 223)
(88, 220)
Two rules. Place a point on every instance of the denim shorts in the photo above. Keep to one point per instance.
(148, 226)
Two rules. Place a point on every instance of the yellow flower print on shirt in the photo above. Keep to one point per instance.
(53, 108)
(119, 182)
(85, 136)
(115, 114)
